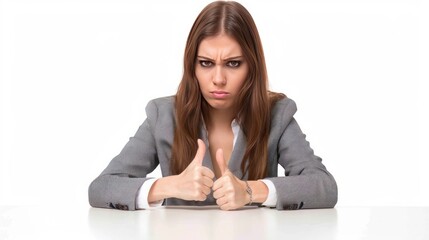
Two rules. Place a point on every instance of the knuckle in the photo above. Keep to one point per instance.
(196, 176)
(196, 194)
(230, 189)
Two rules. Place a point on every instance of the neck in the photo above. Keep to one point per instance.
(220, 118)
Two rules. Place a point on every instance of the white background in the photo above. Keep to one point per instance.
(76, 77)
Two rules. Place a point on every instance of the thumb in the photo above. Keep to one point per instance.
(221, 161)
(199, 156)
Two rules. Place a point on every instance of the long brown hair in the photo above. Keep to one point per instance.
(254, 101)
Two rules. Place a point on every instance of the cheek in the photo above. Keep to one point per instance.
(201, 76)
(240, 77)
(197, 74)
(199, 79)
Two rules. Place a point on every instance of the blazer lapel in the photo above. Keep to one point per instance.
(207, 161)
(237, 154)
(234, 164)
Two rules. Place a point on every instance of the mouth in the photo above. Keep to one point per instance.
(219, 94)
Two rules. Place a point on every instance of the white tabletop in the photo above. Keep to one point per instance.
(211, 223)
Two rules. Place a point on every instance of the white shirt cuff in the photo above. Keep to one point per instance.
(272, 194)
(143, 193)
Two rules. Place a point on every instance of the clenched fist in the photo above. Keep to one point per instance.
(229, 191)
(195, 182)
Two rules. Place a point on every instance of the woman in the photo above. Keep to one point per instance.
(220, 139)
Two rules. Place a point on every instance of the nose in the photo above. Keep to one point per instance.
(219, 77)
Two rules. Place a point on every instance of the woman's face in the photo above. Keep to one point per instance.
(221, 70)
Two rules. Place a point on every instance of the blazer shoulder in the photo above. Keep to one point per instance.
(161, 105)
(284, 109)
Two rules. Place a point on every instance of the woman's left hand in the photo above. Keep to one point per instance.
(229, 191)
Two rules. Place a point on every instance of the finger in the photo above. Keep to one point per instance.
(218, 193)
(202, 197)
(221, 201)
(207, 172)
(221, 161)
(225, 204)
(208, 182)
(226, 207)
(199, 156)
(218, 184)
(206, 190)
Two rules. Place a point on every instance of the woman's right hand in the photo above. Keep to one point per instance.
(195, 182)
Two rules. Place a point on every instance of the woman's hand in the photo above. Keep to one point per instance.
(195, 182)
(229, 191)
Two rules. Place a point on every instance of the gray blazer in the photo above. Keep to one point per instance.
(306, 184)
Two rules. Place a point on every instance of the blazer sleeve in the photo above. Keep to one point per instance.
(307, 183)
(117, 186)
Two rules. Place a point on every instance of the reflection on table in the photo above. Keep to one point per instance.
(203, 222)
(77, 222)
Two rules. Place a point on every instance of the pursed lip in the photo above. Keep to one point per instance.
(219, 94)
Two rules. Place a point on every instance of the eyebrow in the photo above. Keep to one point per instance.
(225, 60)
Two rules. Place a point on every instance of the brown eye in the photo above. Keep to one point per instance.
(206, 63)
(233, 64)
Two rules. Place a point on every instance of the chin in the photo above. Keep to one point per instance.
(219, 105)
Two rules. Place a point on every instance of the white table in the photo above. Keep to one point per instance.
(211, 223)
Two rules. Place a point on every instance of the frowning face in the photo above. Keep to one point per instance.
(221, 71)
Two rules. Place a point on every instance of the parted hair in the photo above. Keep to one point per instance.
(253, 103)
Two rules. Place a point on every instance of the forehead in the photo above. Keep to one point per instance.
(219, 45)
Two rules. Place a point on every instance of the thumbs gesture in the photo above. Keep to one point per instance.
(229, 191)
(195, 182)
